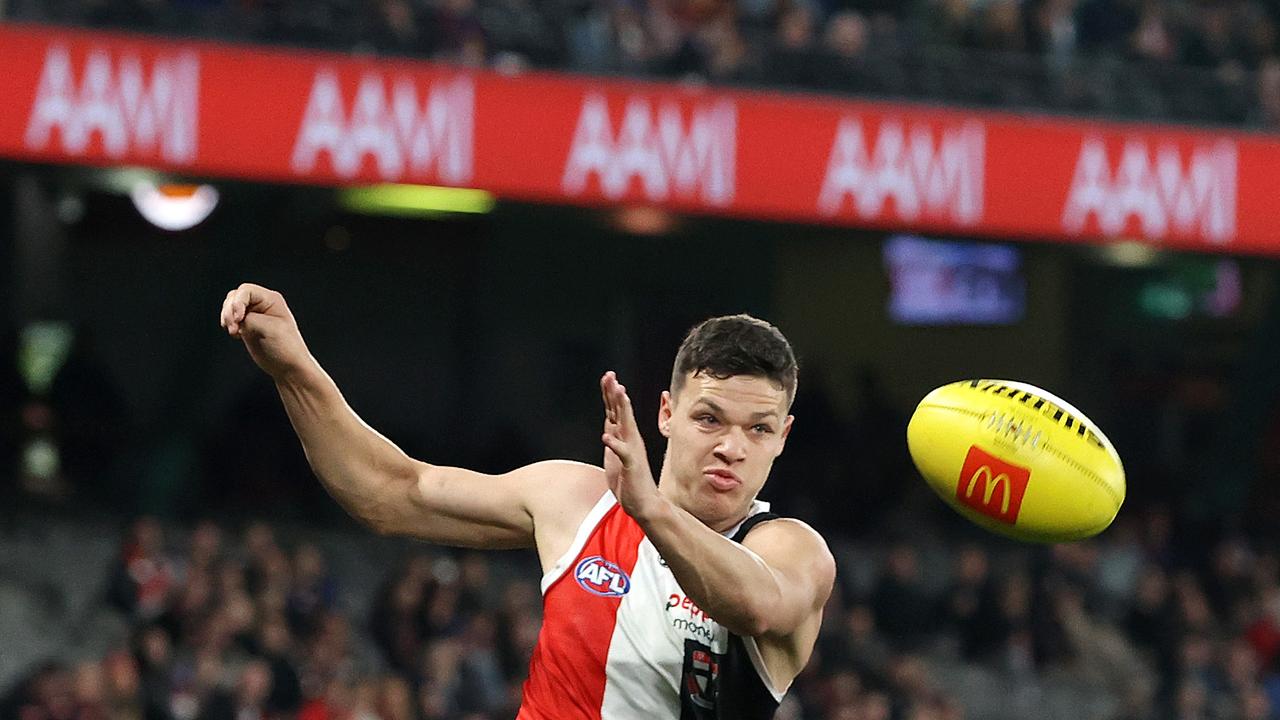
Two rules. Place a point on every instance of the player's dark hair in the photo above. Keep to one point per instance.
(723, 347)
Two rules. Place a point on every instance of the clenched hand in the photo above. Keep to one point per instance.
(261, 318)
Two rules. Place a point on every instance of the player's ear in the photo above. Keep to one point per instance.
(665, 410)
(786, 430)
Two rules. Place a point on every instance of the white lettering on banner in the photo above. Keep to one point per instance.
(115, 101)
(922, 178)
(1200, 201)
(657, 150)
(405, 137)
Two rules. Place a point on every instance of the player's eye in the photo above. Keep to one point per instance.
(707, 419)
(762, 428)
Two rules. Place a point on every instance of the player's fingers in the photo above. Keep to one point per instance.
(255, 298)
(224, 312)
(608, 385)
(622, 401)
(604, 394)
(245, 299)
(617, 447)
(229, 319)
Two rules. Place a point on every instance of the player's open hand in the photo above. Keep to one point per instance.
(261, 318)
(626, 464)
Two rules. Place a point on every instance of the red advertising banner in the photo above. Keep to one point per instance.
(213, 110)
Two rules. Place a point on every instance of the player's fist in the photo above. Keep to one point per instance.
(261, 318)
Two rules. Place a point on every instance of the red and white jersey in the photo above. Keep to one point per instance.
(620, 640)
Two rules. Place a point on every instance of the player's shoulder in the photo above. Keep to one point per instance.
(785, 529)
(558, 494)
(564, 481)
(563, 471)
(790, 541)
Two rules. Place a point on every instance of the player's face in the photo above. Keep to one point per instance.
(722, 438)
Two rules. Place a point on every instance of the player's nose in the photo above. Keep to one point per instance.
(732, 447)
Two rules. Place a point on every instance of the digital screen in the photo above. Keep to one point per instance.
(948, 282)
(1193, 287)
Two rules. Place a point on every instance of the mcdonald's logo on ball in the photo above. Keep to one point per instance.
(992, 486)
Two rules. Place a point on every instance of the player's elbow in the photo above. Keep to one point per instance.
(381, 521)
(762, 616)
(793, 601)
(755, 626)
(382, 526)
(388, 509)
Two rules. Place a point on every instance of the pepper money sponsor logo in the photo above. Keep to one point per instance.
(687, 618)
(602, 577)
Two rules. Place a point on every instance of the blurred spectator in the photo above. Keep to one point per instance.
(153, 662)
(313, 592)
(1104, 25)
(398, 621)
(1153, 39)
(49, 694)
(275, 646)
(903, 610)
(456, 33)
(867, 648)
(248, 700)
(1214, 42)
(123, 696)
(394, 700)
(847, 35)
(395, 28)
(1000, 26)
(206, 547)
(438, 695)
(144, 575)
(1152, 624)
(519, 621)
(483, 685)
(89, 691)
(793, 60)
(1267, 114)
(611, 35)
(1051, 28)
(970, 607)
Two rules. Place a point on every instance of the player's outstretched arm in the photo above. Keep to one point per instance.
(367, 474)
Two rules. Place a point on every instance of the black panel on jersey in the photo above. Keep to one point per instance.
(725, 687)
(751, 522)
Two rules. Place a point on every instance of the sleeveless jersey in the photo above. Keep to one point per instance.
(621, 641)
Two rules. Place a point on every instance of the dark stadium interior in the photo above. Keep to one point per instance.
(166, 553)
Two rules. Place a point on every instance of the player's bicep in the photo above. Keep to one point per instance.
(455, 506)
(803, 567)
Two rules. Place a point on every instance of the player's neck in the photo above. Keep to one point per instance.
(672, 491)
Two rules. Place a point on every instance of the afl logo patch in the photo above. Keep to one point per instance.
(601, 577)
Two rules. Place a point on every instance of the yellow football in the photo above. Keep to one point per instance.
(1017, 460)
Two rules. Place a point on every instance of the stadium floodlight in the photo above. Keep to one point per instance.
(1128, 253)
(414, 200)
(173, 206)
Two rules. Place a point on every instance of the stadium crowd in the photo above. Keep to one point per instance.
(1191, 60)
(245, 626)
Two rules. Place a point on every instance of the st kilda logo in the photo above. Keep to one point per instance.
(602, 577)
(700, 681)
(992, 486)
